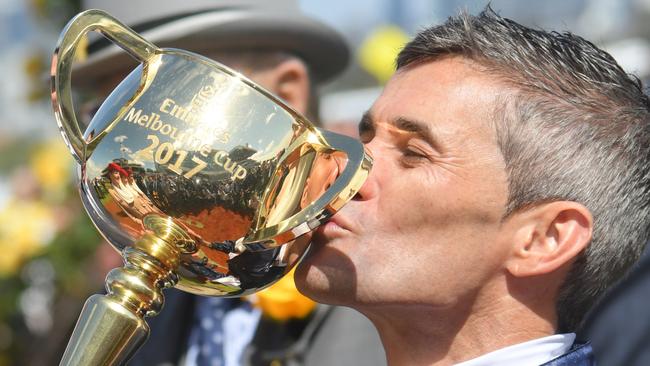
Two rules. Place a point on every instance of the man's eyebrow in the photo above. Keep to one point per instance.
(419, 128)
(411, 126)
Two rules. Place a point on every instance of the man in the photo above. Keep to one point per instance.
(510, 188)
(288, 54)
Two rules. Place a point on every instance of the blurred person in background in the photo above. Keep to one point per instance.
(289, 54)
(510, 189)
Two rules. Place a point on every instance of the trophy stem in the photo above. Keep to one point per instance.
(111, 327)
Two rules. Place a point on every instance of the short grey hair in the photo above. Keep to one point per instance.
(574, 126)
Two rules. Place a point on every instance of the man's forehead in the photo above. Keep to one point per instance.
(452, 68)
(445, 101)
(451, 90)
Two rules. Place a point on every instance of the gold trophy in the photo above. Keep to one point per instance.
(199, 177)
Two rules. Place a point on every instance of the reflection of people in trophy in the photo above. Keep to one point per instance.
(277, 46)
(127, 195)
(132, 184)
(142, 202)
(121, 193)
(507, 194)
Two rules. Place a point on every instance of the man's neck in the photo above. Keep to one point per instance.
(424, 335)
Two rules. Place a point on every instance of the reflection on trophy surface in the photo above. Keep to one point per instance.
(199, 177)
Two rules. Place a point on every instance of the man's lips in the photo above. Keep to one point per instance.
(335, 227)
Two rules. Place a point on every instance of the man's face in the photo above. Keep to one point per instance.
(426, 226)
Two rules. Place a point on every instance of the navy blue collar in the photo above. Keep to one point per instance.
(580, 354)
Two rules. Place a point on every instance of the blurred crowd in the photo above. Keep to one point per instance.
(50, 260)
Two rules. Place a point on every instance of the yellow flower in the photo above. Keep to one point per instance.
(51, 164)
(283, 301)
(378, 52)
(25, 228)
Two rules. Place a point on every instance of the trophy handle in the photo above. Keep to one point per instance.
(340, 192)
(75, 30)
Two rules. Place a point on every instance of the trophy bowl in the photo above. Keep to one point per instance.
(199, 177)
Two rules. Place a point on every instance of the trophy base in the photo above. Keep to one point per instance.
(111, 327)
(107, 333)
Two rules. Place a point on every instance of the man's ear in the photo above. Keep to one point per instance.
(289, 80)
(548, 237)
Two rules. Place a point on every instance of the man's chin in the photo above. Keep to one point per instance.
(310, 280)
(324, 281)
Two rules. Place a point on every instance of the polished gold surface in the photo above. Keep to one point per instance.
(111, 328)
(202, 179)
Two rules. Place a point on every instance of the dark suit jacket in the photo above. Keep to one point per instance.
(619, 327)
(330, 336)
(580, 354)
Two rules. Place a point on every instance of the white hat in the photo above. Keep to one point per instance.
(204, 26)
